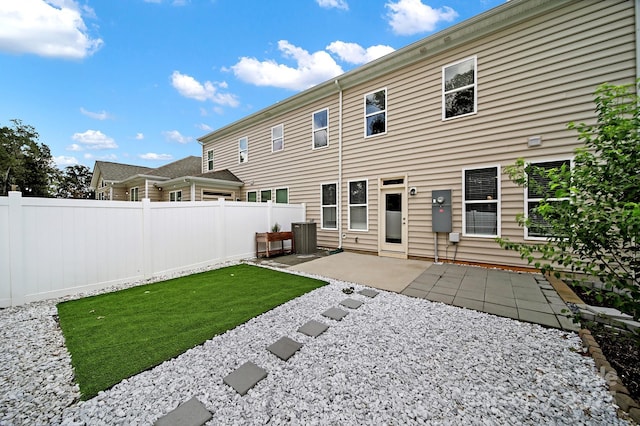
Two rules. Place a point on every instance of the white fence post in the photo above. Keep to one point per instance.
(147, 247)
(16, 249)
(221, 231)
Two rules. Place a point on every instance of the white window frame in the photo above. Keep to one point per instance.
(314, 130)
(247, 195)
(245, 151)
(134, 194)
(386, 113)
(365, 205)
(270, 196)
(527, 200)
(175, 195)
(275, 192)
(474, 86)
(210, 160)
(273, 139)
(498, 202)
(333, 206)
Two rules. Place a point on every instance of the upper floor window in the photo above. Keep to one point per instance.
(375, 113)
(210, 160)
(243, 150)
(265, 195)
(358, 208)
(282, 195)
(459, 89)
(252, 196)
(481, 190)
(538, 189)
(175, 196)
(321, 128)
(277, 138)
(329, 211)
(133, 195)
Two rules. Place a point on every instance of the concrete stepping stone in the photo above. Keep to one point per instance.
(245, 377)
(335, 313)
(351, 303)
(190, 413)
(313, 328)
(369, 293)
(284, 348)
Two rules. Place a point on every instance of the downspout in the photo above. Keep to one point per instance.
(339, 191)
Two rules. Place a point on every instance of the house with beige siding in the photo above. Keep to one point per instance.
(385, 155)
(187, 179)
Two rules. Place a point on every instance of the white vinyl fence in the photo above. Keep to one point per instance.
(55, 247)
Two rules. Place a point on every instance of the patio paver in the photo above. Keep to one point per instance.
(335, 313)
(351, 303)
(190, 413)
(313, 328)
(245, 377)
(284, 348)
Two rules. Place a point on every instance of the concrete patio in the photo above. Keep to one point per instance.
(523, 296)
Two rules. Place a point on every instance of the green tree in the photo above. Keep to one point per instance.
(25, 162)
(74, 182)
(595, 230)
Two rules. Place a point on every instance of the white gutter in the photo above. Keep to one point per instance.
(339, 189)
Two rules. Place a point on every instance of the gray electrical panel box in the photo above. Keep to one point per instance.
(441, 210)
(304, 237)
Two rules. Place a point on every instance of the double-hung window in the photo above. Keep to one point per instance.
(134, 194)
(210, 160)
(375, 113)
(175, 196)
(243, 150)
(282, 195)
(252, 196)
(320, 125)
(358, 214)
(481, 188)
(459, 89)
(265, 195)
(277, 138)
(538, 189)
(329, 211)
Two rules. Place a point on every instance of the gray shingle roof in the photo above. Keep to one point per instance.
(117, 171)
(219, 175)
(189, 166)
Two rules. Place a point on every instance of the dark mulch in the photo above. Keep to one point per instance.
(621, 350)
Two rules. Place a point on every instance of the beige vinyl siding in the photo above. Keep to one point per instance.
(298, 166)
(532, 80)
(533, 77)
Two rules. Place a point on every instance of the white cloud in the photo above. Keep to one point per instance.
(329, 4)
(75, 147)
(408, 17)
(191, 88)
(154, 156)
(139, 136)
(204, 127)
(106, 157)
(94, 139)
(50, 28)
(353, 53)
(64, 161)
(310, 69)
(175, 136)
(103, 115)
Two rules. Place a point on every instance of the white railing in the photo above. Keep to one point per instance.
(57, 247)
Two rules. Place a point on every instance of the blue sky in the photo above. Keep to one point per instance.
(138, 81)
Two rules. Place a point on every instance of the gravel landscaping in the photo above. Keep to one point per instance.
(393, 360)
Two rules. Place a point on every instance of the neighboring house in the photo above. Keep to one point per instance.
(182, 180)
(366, 151)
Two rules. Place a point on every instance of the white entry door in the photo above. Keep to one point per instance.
(392, 214)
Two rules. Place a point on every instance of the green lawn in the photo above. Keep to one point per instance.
(117, 335)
